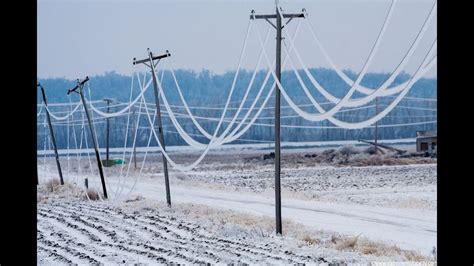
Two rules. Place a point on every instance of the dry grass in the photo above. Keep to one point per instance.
(369, 150)
(377, 249)
(350, 156)
(136, 198)
(348, 243)
(310, 241)
(92, 194)
(263, 226)
(52, 189)
(348, 150)
(53, 185)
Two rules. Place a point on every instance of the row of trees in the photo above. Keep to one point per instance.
(204, 89)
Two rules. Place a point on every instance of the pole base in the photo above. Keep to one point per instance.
(108, 163)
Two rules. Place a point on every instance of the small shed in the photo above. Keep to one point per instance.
(426, 141)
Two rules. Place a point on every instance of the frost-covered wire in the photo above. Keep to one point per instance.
(327, 114)
(188, 139)
(125, 140)
(62, 117)
(87, 148)
(67, 145)
(392, 105)
(232, 136)
(40, 110)
(196, 123)
(66, 104)
(222, 139)
(144, 157)
(108, 115)
(99, 161)
(346, 78)
(339, 102)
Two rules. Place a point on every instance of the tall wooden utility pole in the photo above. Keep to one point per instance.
(108, 101)
(135, 122)
(152, 66)
(53, 139)
(376, 125)
(80, 86)
(278, 28)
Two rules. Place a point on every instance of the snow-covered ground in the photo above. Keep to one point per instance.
(392, 210)
(145, 231)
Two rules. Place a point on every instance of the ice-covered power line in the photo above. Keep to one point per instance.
(319, 127)
(329, 114)
(232, 125)
(346, 78)
(323, 115)
(223, 138)
(247, 90)
(70, 113)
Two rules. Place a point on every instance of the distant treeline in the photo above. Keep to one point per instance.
(204, 89)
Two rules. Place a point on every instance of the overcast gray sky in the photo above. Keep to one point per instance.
(79, 38)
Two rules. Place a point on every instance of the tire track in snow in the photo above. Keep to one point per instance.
(107, 248)
(248, 249)
(58, 236)
(153, 235)
(170, 227)
(209, 243)
(92, 232)
(175, 255)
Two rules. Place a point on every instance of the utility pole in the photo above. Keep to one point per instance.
(135, 120)
(80, 86)
(376, 125)
(108, 101)
(278, 28)
(53, 139)
(152, 66)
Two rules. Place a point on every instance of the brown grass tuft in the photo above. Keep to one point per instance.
(53, 185)
(93, 194)
(310, 241)
(349, 243)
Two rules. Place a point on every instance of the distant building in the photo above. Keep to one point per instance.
(426, 141)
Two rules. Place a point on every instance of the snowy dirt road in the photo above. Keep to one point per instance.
(408, 228)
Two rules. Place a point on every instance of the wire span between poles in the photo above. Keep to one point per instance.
(198, 126)
(391, 106)
(188, 139)
(144, 158)
(329, 115)
(233, 136)
(108, 115)
(40, 110)
(125, 140)
(347, 79)
(62, 117)
(183, 115)
(215, 141)
(325, 114)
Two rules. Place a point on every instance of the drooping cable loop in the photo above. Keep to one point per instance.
(361, 88)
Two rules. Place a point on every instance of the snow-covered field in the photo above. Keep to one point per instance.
(223, 212)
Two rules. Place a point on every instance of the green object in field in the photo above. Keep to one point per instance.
(119, 161)
(108, 163)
